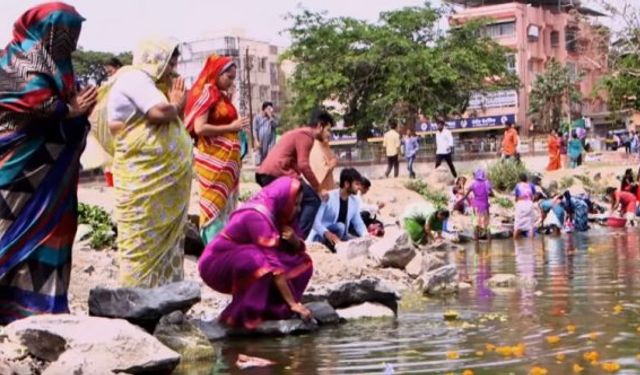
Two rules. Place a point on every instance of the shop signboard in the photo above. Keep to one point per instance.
(493, 99)
(470, 123)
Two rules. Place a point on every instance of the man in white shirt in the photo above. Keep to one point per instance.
(444, 146)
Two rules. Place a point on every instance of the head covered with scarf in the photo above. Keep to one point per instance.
(153, 55)
(35, 67)
(204, 93)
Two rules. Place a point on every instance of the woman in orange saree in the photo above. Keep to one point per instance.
(553, 145)
(213, 121)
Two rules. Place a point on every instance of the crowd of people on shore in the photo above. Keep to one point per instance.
(159, 136)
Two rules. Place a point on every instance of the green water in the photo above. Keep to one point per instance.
(580, 280)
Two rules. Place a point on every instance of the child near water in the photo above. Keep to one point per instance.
(481, 190)
(457, 201)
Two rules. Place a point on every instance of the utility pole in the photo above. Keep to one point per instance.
(248, 72)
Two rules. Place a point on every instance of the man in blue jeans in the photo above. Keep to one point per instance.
(339, 212)
(290, 157)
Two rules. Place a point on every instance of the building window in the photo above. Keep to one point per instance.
(262, 64)
(264, 93)
(571, 39)
(230, 42)
(273, 50)
(555, 38)
(503, 29)
(573, 70)
(511, 64)
(533, 33)
(273, 73)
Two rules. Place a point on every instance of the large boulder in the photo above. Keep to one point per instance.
(423, 263)
(141, 306)
(503, 280)
(354, 292)
(272, 328)
(440, 280)
(323, 312)
(92, 345)
(213, 330)
(177, 333)
(355, 248)
(393, 250)
(414, 268)
(366, 310)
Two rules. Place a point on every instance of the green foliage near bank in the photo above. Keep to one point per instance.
(505, 174)
(395, 67)
(102, 234)
(503, 202)
(437, 197)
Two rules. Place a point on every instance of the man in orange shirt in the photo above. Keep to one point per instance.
(509, 142)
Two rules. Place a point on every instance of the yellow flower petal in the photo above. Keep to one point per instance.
(591, 356)
(467, 372)
(479, 353)
(617, 309)
(593, 336)
(553, 339)
(611, 366)
(538, 371)
(490, 347)
(571, 328)
(453, 355)
(577, 368)
(560, 357)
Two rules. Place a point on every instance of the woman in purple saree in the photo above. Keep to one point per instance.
(259, 258)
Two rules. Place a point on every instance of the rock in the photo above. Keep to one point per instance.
(177, 333)
(348, 293)
(323, 312)
(91, 345)
(277, 328)
(213, 330)
(393, 250)
(502, 280)
(366, 310)
(442, 246)
(597, 177)
(141, 306)
(83, 232)
(357, 247)
(12, 351)
(440, 280)
(414, 268)
(464, 286)
(193, 244)
(431, 262)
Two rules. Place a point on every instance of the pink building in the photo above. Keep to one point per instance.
(537, 31)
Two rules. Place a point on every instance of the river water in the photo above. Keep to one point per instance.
(586, 299)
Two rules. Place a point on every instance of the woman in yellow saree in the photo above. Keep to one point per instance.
(152, 166)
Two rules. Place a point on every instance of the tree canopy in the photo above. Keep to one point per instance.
(552, 93)
(398, 66)
(89, 65)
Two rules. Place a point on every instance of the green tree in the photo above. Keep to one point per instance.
(623, 81)
(552, 94)
(397, 66)
(88, 65)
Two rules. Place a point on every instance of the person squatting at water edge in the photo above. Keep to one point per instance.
(43, 129)
(260, 258)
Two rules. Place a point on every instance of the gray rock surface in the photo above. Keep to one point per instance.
(213, 330)
(366, 310)
(91, 345)
(178, 334)
(503, 280)
(355, 248)
(393, 250)
(323, 312)
(141, 306)
(440, 280)
(354, 292)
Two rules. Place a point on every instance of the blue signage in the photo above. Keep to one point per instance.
(470, 123)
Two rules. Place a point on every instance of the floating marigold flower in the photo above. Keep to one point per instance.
(518, 350)
(560, 357)
(467, 372)
(591, 356)
(538, 371)
(479, 353)
(553, 339)
(490, 347)
(617, 309)
(453, 355)
(611, 366)
(577, 368)
(506, 351)
(593, 336)
(571, 328)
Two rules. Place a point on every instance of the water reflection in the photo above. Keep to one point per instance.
(568, 280)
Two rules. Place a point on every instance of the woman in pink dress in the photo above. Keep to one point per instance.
(259, 257)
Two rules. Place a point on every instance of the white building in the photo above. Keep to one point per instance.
(263, 61)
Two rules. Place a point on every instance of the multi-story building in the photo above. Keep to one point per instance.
(538, 31)
(261, 70)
